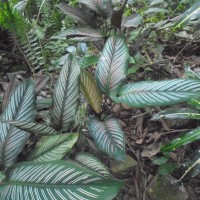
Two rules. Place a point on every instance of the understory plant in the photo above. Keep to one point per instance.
(43, 174)
(47, 173)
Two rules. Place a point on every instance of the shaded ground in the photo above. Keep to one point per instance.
(143, 137)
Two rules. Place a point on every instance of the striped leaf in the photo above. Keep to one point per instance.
(112, 67)
(75, 13)
(56, 180)
(185, 139)
(90, 91)
(82, 34)
(158, 93)
(34, 128)
(108, 136)
(21, 106)
(190, 14)
(53, 147)
(103, 7)
(92, 163)
(43, 103)
(66, 94)
(177, 113)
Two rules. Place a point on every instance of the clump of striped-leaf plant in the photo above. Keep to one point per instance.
(85, 177)
(45, 174)
(110, 77)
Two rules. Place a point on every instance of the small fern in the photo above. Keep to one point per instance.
(33, 50)
(44, 11)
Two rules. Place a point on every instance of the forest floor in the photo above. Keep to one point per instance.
(143, 136)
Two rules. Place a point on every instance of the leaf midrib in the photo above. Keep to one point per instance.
(60, 124)
(110, 67)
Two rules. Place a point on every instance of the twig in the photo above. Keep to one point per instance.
(174, 131)
(163, 122)
(21, 51)
(186, 46)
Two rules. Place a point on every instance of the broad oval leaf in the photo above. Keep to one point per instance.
(155, 10)
(87, 61)
(90, 91)
(80, 34)
(108, 136)
(92, 163)
(66, 94)
(76, 13)
(112, 67)
(53, 147)
(182, 140)
(21, 106)
(194, 103)
(60, 180)
(177, 113)
(133, 20)
(33, 128)
(158, 93)
(190, 14)
(103, 7)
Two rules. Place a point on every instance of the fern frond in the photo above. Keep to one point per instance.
(33, 50)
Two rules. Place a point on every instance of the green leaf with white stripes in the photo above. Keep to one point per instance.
(33, 128)
(108, 136)
(190, 14)
(60, 180)
(66, 94)
(53, 147)
(102, 7)
(91, 162)
(21, 106)
(90, 91)
(76, 13)
(80, 34)
(184, 139)
(112, 67)
(177, 113)
(158, 93)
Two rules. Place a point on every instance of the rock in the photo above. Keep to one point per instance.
(122, 169)
(122, 123)
(151, 150)
(116, 108)
(126, 107)
(165, 189)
